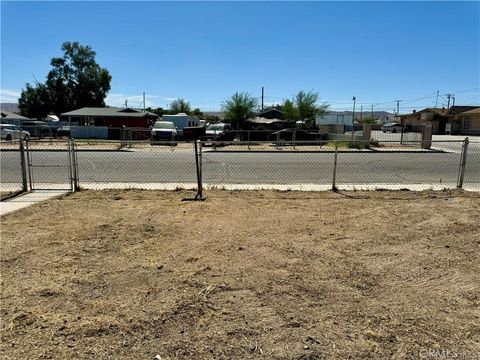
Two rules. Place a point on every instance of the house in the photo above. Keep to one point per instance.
(110, 116)
(271, 114)
(259, 122)
(443, 120)
(335, 118)
(467, 122)
(8, 117)
(437, 117)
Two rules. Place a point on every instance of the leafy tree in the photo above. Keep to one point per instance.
(34, 102)
(307, 108)
(238, 108)
(289, 110)
(196, 112)
(75, 81)
(180, 106)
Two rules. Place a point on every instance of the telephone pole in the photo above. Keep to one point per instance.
(262, 97)
(448, 96)
(126, 103)
(144, 101)
(436, 101)
(361, 112)
(398, 106)
(353, 115)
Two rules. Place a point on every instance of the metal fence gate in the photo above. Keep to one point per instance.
(51, 165)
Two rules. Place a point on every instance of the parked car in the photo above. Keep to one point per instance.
(392, 127)
(300, 135)
(63, 131)
(218, 132)
(164, 131)
(36, 128)
(12, 132)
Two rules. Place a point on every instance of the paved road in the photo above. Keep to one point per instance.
(247, 168)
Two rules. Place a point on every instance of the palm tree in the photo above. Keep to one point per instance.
(238, 108)
(307, 108)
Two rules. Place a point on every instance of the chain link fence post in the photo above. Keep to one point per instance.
(334, 182)
(200, 162)
(23, 164)
(463, 163)
(76, 183)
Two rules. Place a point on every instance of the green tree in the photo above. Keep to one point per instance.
(238, 108)
(289, 110)
(34, 102)
(307, 108)
(75, 81)
(180, 106)
(196, 112)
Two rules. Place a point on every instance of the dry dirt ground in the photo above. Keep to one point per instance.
(243, 275)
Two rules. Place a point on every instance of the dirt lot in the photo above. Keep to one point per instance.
(274, 275)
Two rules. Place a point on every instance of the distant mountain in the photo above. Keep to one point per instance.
(12, 107)
(381, 115)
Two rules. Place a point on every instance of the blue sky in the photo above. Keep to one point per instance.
(205, 51)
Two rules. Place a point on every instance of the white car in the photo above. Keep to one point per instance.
(164, 131)
(392, 127)
(12, 132)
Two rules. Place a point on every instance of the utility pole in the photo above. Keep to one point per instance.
(262, 97)
(361, 112)
(126, 103)
(353, 115)
(144, 101)
(453, 97)
(436, 101)
(448, 96)
(398, 107)
(372, 111)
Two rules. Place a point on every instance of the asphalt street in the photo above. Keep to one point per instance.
(178, 166)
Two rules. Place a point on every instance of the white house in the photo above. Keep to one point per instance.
(335, 118)
(181, 120)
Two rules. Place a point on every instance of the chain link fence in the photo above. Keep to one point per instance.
(285, 164)
(130, 164)
(13, 178)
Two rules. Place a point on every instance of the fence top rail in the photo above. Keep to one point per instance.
(323, 141)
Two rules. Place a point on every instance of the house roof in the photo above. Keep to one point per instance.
(475, 111)
(108, 112)
(442, 112)
(460, 109)
(262, 120)
(11, 115)
(271, 114)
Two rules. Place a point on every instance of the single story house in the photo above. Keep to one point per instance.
(271, 114)
(468, 122)
(110, 116)
(259, 122)
(437, 117)
(444, 121)
(8, 117)
(335, 118)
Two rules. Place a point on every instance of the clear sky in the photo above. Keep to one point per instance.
(205, 51)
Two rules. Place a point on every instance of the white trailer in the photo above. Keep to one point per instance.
(181, 120)
(334, 119)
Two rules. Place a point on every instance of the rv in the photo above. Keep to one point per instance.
(181, 121)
